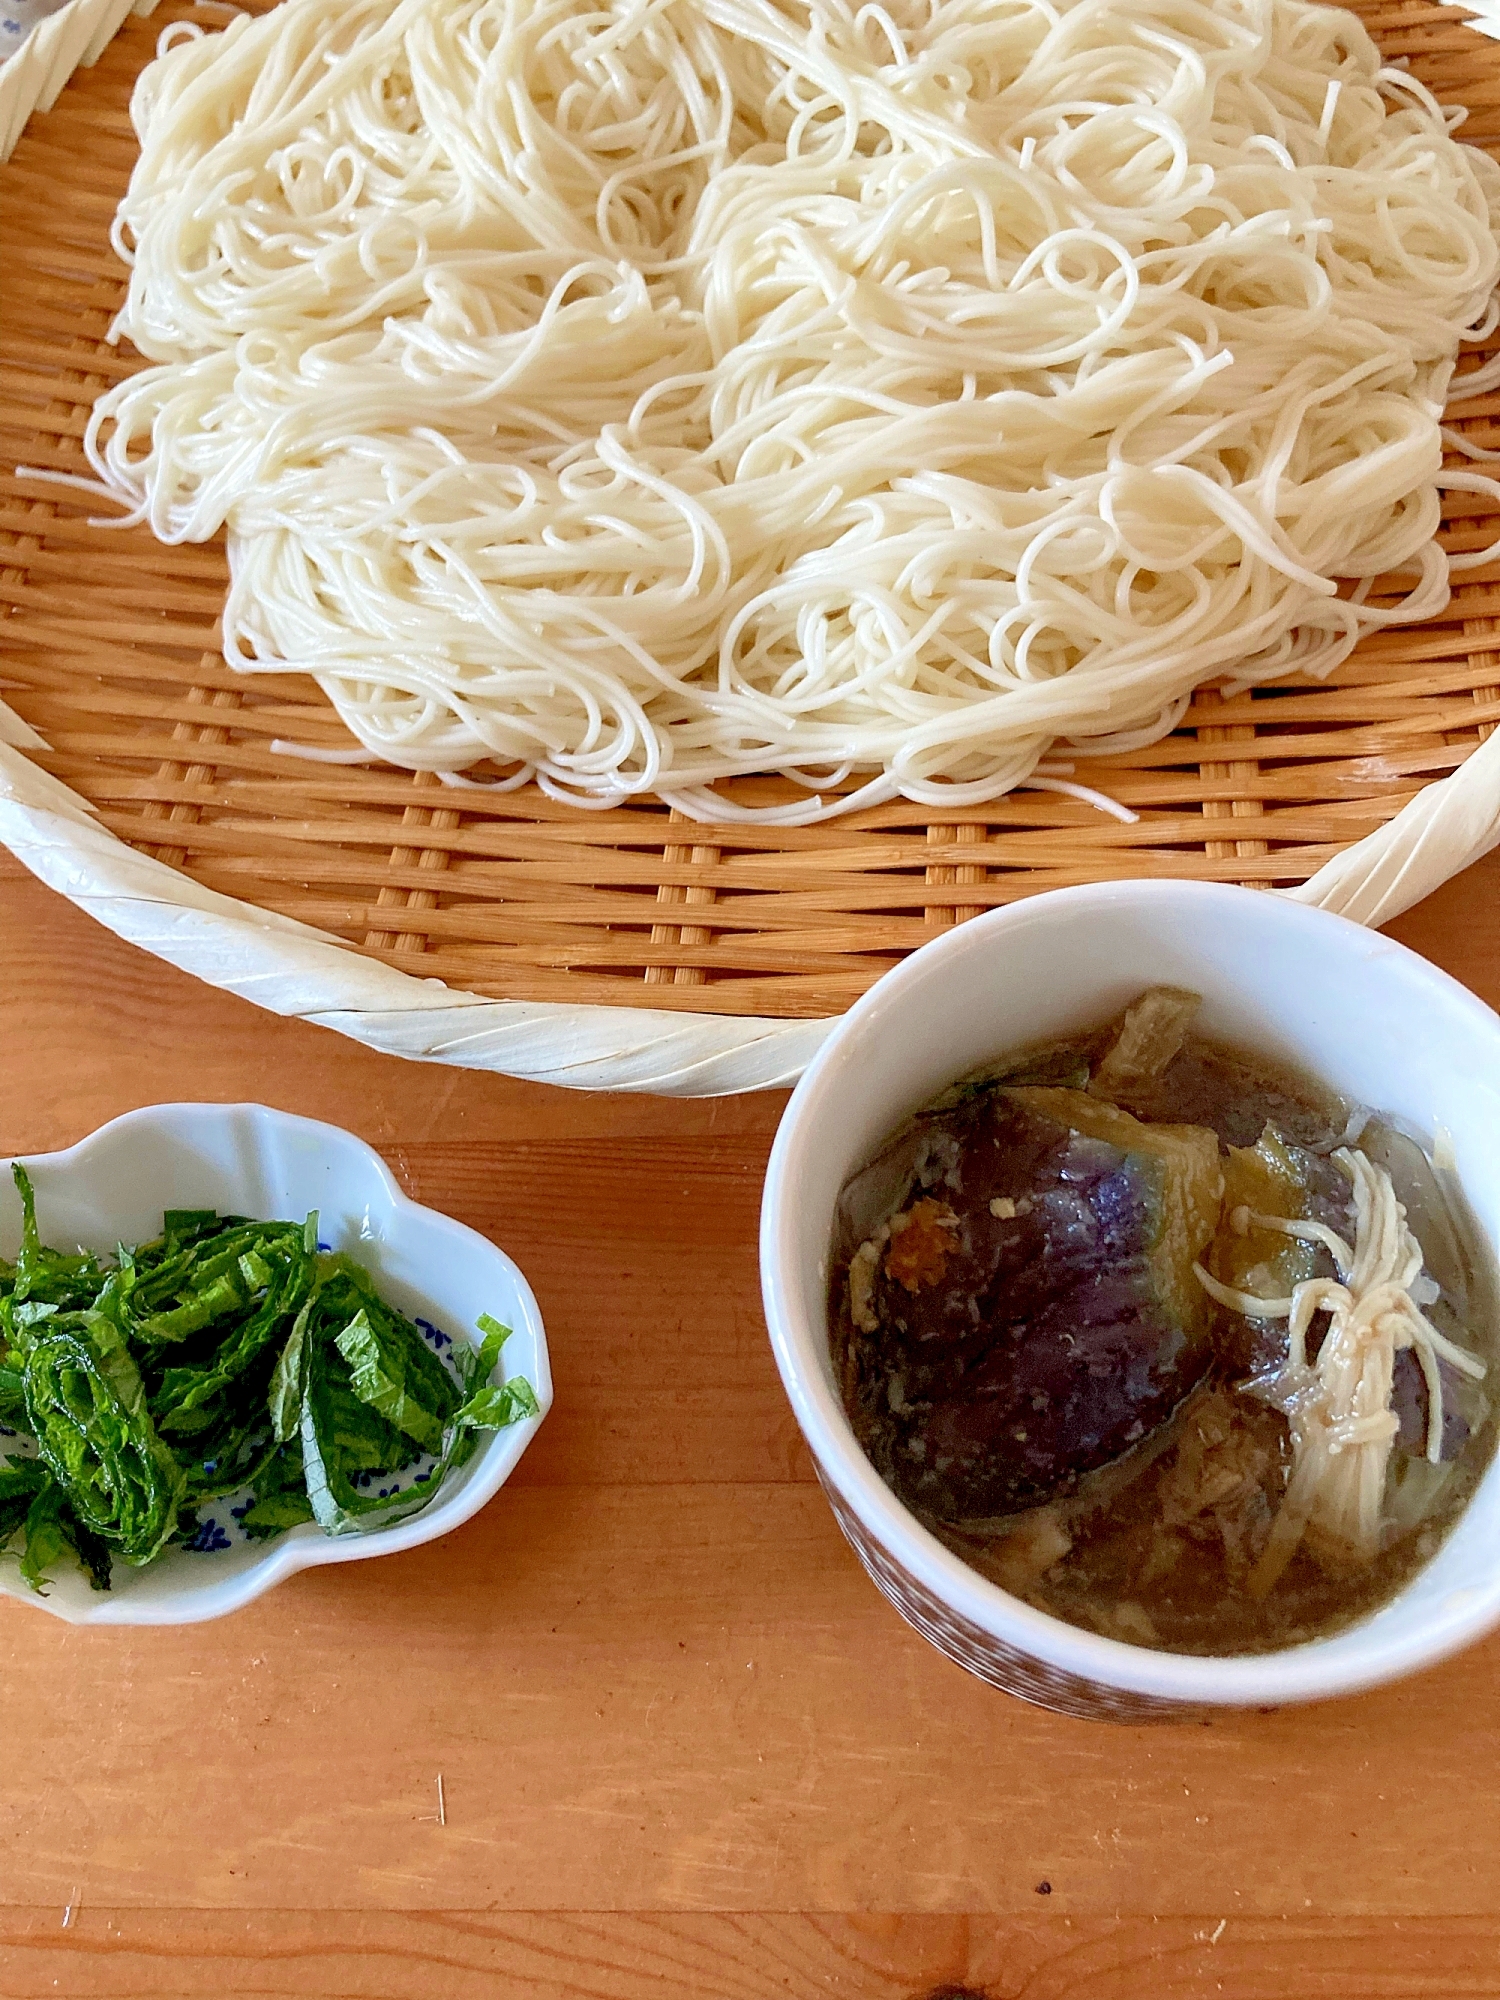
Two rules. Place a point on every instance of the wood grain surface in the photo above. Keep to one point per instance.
(686, 1750)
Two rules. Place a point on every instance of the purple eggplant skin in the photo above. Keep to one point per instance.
(1042, 1319)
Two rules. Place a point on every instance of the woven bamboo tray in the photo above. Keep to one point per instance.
(630, 948)
(32, 75)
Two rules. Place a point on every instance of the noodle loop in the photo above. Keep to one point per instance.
(665, 390)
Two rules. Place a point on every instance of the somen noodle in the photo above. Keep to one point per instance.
(642, 394)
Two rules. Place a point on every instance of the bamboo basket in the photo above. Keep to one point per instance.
(71, 38)
(627, 949)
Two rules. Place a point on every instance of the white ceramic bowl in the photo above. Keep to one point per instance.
(247, 1160)
(1369, 1017)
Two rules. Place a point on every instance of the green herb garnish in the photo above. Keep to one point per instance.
(225, 1356)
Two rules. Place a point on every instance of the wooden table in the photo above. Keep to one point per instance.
(686, 1751)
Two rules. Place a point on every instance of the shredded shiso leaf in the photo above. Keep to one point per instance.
(226, 1356)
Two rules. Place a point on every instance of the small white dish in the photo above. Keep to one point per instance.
(1367, 1016)
(245, 1159)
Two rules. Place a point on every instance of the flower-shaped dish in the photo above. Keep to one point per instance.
(246, 1159)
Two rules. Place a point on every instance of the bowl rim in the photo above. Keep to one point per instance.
(1293, 1674)
(306, 1546)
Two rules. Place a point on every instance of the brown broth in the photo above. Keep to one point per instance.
(1153, 1542)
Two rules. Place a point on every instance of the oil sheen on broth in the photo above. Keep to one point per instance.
(1167, 1339)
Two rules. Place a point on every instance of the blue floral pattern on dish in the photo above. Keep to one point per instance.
(209, 1539)
(19, 17)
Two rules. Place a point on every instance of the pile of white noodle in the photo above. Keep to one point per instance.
(641, 393)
